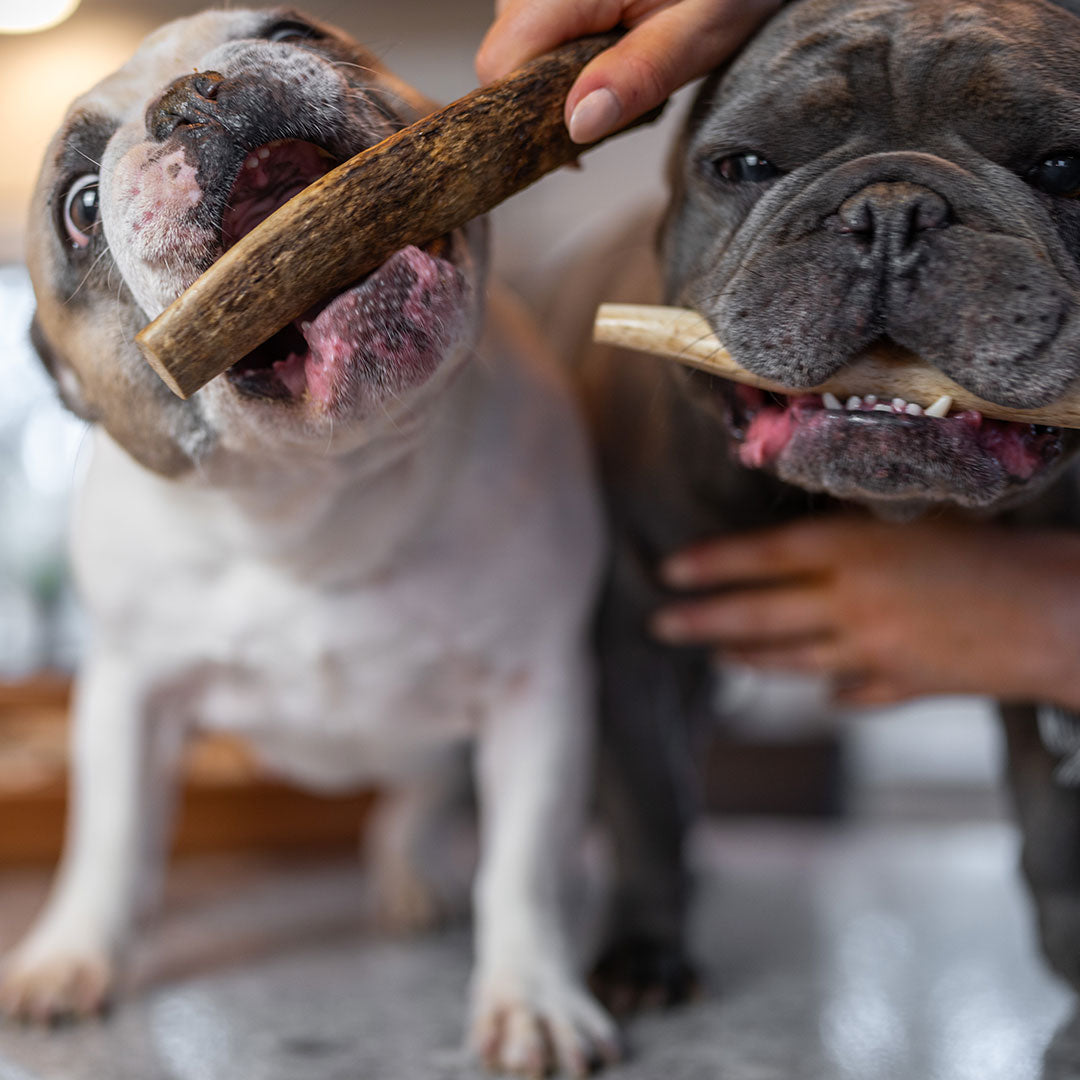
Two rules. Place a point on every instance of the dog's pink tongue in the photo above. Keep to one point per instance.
(770, 430)
(390, 331)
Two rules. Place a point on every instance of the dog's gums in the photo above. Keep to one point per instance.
(390, 327)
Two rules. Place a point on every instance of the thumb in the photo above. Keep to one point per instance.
(661, 53)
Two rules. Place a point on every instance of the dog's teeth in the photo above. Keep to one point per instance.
(305, 326)
(940, 407)
(870, 400)
(251, 162)
(899, 404)
(883, 408)
(913, 409)
(831, 401)
(854, 402)
(264, 153)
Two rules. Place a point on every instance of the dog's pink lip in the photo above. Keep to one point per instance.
(317, 353)
(766, 424)
(388, 332)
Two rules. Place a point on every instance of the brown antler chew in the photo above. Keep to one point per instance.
(413, 187)
(685, 336)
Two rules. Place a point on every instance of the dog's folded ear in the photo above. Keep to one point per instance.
(67, 382)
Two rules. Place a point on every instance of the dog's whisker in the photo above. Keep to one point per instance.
(86, 276)
(118, 311)
(92, 161)
(359, 67)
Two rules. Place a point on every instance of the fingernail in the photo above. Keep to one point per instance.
(668, 627)
(594, 116)
(678, 571)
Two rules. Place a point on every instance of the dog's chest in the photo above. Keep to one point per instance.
(272, 654)
(313, 644)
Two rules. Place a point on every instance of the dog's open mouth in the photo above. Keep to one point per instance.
(889, 448)
(389, 328)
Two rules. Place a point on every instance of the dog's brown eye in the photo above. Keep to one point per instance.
(1057, 174)
(289, 29)
(81, 210)
(750, 168)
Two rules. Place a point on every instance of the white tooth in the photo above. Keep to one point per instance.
(305, 327)
(898, 404)
(870, 400)
(251, 162)
(913, 409)
(940, 407)
(882, 408)
(831, 401)
(264, 153)
(854, 402)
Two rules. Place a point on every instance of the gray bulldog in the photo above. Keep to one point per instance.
(886, 171)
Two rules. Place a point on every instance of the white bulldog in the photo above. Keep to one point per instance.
(373, 538)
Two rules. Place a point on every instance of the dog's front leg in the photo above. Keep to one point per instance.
(531, 1010)
(117, 812)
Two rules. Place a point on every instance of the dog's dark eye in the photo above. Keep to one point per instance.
(747, 168)
(1057, 174)
(81, 210)
(288, 29)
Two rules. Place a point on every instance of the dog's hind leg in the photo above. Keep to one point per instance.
(407, 839)
(1049, 816)
(67, 965)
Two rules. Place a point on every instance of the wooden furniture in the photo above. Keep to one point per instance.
(229, 803)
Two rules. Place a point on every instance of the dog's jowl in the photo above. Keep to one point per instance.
(371, 540)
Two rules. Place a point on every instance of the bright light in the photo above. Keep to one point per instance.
(24, 17)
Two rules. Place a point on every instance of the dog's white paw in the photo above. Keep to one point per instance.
(42, 985)
(531, 1028)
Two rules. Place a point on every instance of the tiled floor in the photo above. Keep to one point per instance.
(877, 952)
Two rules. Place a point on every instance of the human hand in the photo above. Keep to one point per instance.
(890, 612)
(669, 43)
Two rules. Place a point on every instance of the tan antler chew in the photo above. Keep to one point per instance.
(422, 182)
(685, 336)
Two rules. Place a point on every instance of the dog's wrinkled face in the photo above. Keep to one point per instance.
(891, 171)
(215, 122)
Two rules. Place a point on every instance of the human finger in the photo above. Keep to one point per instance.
(667, 49)
(524, 29)
(814, 655)
(756, 615)
(759, 555)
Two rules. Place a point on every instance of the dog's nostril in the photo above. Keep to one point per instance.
(189, 100)
(856, 217)
(207, 83)
(898, 209)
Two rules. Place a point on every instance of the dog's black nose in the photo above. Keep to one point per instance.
(187, 101)
(893, 211)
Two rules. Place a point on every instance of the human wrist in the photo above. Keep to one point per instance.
(1052, 643)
